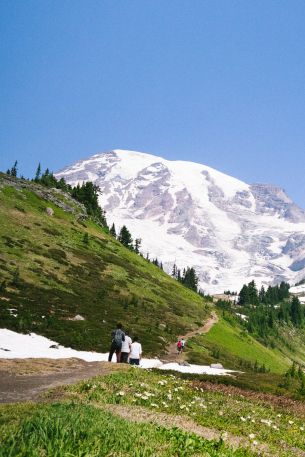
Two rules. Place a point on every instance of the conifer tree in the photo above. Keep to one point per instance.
(38, 173)
(296, 312)
(112, 231)
(14, 169)
(174, 271)
(137, 245)
(125, 237)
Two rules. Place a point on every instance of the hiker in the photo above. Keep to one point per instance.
(126, 348)
(118, 336)
(135, 352)
(179, 346)
(183, 344)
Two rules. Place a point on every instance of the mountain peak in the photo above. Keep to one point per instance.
(194, 215)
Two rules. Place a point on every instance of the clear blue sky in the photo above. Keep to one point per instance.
(217, 82)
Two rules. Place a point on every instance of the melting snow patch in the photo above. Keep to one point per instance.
(19, 346)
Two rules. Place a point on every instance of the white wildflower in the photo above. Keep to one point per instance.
(251, 436)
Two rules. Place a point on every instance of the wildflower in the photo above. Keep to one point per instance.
(154, 405)
(302, 429)
(121, 393)
(243, 419)
(251, 436)
(290, 422)
(169, 396)
(220, 413)
(255, 443)
(182, 406)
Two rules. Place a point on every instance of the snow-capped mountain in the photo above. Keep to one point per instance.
(192, 215)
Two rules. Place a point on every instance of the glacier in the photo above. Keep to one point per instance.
(193, 215)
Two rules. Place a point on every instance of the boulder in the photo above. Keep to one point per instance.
(50, 211)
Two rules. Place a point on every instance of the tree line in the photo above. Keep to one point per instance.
(267, 309)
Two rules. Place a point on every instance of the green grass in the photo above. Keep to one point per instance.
(60, 430)
(234, 344)
(60, 276)
(278, 427)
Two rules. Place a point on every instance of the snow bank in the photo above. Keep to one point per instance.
(19, 346)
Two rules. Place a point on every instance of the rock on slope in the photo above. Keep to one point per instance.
(191, 214)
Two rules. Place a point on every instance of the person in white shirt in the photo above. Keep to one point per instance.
(135, 352)
(125, 348)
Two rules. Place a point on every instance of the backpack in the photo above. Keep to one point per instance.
(179, 345)
(119, 337)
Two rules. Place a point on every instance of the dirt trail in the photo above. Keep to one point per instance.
(173, 356)
(143, 415)
(26, 380)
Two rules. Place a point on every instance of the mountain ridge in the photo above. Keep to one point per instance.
(191, 214)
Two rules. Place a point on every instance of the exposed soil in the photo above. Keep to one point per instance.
(27, 380)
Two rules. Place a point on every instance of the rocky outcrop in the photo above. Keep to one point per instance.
(58, 197)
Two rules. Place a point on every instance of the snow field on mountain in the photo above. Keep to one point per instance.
(192, 215)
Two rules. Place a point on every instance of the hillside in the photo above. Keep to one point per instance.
(192, 214)
(51, 275)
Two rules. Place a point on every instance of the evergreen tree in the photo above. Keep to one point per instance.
(296, 312)
(137, 245)
(262, 295)
(125, 237)
(38, 173)
(244, 298)
(174, 271)
(190, 279)
(8, 171)
(14, 169)
(112, 231)
(252, 291)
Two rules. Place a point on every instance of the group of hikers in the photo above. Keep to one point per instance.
(126, 350)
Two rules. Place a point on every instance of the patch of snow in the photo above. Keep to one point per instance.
(20, 346)
(297, 289)
(242, 316)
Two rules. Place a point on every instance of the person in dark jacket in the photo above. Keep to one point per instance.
(118, 336)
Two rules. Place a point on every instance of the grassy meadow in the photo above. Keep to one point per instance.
(145, 413)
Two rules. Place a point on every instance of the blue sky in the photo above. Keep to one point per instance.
(217, 82)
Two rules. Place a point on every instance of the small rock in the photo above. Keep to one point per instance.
(54, 346)
(49, 211)
(184, 364)
(78, 317)
(216, 365)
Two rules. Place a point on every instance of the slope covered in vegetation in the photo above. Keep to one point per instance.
(55, 267)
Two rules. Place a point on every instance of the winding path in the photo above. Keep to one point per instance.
(173, 356)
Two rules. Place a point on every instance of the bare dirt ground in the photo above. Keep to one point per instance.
(28, 379)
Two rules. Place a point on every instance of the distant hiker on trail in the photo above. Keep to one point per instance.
(179, 346)
(125, 348)
(135, 352)
(118, 336)
(183, 344)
